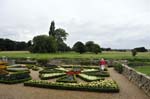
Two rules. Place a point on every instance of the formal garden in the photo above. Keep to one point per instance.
(65, 77)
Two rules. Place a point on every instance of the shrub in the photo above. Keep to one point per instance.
(99, 86)
(118, 67)
(67, 79)
(134, 52)
(15, 77)
(89, 78)
(35, 68)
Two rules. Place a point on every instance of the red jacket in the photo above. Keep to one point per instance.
(102, 62)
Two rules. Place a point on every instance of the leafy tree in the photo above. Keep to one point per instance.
(79, 47)
(44, 44)
(96, 48)
(62, 47)
(89, 46)
(10, 45)
(134, 52)
(60, 35)
(52, 29)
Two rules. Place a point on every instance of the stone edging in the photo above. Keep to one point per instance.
(139, 79)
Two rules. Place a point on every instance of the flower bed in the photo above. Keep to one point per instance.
(67, 79)
(100, 86)
(50, 71)
(90, 78)
(51, 75)
(17, 69)
(61, 69)
(90, 70)
(15, 77)
(99, 74)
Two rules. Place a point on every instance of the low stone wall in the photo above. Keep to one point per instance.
(141, 80)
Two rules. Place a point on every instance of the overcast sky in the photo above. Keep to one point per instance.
(110, 23)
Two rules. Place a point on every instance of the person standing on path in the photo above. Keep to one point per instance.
(102, 64)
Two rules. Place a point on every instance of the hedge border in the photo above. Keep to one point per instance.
(15, 81)
(111, 90)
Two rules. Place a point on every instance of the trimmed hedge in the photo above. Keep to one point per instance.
(35, 68)
(99, 73)
(15, 81)
(67, 79)
(50, 77)
(15, 76)
(89, 78)
(99, 86)
(50, 71)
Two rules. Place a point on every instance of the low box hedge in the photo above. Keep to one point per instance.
(99, 74)
(43, 77)
(99, 86)
(89, 78)
(15, 81)
(67, 79)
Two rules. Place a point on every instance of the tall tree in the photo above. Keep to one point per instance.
(44, 44)
(52, 29)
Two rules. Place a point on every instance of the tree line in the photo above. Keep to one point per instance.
(10, 45)
(55, 42)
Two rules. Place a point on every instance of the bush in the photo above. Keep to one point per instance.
(15, 81)
(99, 74)
(134, 52)
(67, 79)
(35, 68)
(15, 77)
(118, 67)
(79, 47)
(99, 86)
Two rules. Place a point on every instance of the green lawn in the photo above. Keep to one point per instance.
(74, 55)
(143, 69)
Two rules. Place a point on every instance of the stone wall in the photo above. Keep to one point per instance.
(141, 80)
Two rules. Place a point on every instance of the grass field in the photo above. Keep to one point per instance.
(73, 55)
(143, 69)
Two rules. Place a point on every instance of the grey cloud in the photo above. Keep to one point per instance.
(111, 23)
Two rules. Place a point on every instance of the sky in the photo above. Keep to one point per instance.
(119, 24)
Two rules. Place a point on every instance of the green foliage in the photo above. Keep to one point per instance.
(118, 67)
(92, 47)
(134, 52)
(15, 81)
(52, 29)
(67, 79)
(60, 35)
(15, 77)
(79, 47)
(99, 86)
(44, 44)
(10, 45)
(96, 48)
(89, 46)
(35, 68)
(99, 74)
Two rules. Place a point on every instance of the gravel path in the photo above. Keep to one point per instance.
(18, 91)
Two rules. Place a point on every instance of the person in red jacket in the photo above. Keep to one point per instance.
(102, 64)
